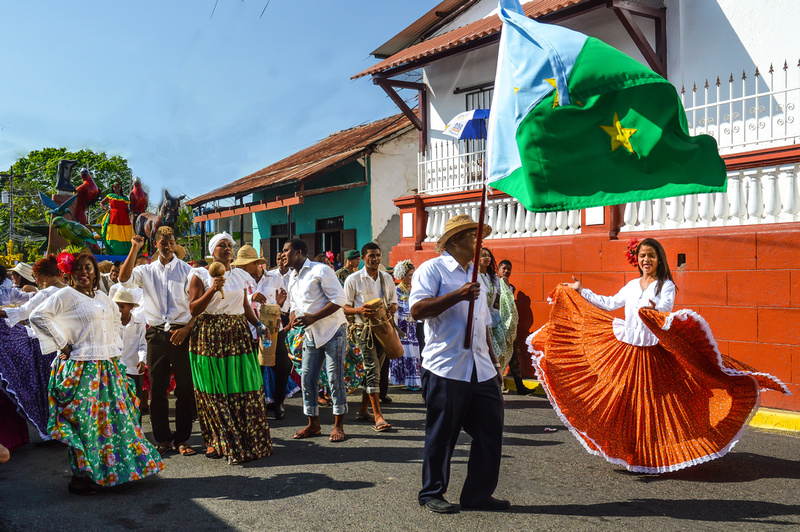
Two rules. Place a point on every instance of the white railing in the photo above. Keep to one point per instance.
(507, 218)
(750, 113)
(758, 196)
(451, 166)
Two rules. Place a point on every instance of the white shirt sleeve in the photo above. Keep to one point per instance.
(140, 330)
(350, 290)
(607, 303)
(135, 280)
(424, 284)
(390, 287)
(45, 322)
(666, 299)
(331, 287)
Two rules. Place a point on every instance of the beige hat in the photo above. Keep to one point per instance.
(123, 296)
(455, 225)
(246, 255)
(25, 270)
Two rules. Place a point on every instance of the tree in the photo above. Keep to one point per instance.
(36, 173)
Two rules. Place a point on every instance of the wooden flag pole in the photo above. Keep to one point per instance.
(476, 260)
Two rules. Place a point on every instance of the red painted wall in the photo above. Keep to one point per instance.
(745, 281)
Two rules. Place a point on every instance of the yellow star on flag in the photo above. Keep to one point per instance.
(552, 82)
(620, 136)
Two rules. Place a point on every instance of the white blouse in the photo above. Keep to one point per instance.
(90, 325)
(633, 330)
(236, 281)
(21, 313)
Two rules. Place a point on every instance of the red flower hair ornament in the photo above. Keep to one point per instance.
(632, 252)
(65, 261)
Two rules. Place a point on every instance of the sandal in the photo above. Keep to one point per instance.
(185, 449)
(303, 433)
(382, 427)
(81, 489)
(213, 454)
(164, 448)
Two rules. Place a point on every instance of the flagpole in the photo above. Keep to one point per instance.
(478, 243)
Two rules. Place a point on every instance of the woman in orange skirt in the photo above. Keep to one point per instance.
(651, 393)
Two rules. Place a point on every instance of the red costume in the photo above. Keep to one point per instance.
(87, 195)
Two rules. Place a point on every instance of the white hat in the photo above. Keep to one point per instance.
(25, 270)
(123, 296)
(215, 240)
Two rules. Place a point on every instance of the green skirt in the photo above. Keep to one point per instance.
(92, 409)
(229, 387)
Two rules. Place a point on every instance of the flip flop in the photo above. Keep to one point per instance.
(164, 448)
(382, 427)
(300, 434)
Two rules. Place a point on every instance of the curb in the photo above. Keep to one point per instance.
(772, 420)
(777, 421)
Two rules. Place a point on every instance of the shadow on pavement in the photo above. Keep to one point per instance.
(733, 467)
(710, 510)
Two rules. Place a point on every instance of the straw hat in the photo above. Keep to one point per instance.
(123, 296)
(246, 255)
(455, 225)
(25, 270)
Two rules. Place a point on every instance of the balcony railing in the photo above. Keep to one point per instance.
(758, 196)
(745, 112)
(451, 166)
(507, 218)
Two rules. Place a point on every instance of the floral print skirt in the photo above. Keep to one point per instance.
(229, 388)
(93, 411)
(353, 362)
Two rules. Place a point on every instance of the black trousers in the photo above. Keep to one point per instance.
(384, 382)
(283, 368)
(163, 360)
(477, 407)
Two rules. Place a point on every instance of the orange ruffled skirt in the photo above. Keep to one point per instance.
(652, 409)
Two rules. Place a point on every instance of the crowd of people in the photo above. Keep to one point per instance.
(233, 340)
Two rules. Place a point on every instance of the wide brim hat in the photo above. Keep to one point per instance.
(246, 255)
(123, 296)
(25, 270)
(456, 225)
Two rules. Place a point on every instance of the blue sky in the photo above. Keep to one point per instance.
(191, 100)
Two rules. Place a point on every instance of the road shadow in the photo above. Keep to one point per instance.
(709, 510)
(733, 467)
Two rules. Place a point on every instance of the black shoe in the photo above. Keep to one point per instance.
(386, 399)
(490, 505)
(440, 506)
(280, 412)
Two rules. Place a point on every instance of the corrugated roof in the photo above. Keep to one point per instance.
(306, 164)
(464, 34)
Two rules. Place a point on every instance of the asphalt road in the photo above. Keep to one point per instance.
(370, 482)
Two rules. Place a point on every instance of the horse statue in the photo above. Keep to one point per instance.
(148, 223)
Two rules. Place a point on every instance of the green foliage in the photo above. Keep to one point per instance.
(36, 172)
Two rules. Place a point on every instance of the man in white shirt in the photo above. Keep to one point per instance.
(360, 287)
(461, 387)
(317, 299)
(165, 302)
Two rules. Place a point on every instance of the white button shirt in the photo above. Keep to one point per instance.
(284, 280)
(310, 289)
(360, 288)
(21, 313)
(165, 291)
(90, 325)
(134, 345)
(269, 285)
(444, 353)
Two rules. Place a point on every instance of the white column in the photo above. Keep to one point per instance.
(645, 214)
(519, 228)
(550, 222)
(706, 208)
(690, 210)
(430, 227)
(736, 197)
(574, 221)
(530, 223)
(772, 195)
(788, 186)
(562, 222)
(721, 208)
(476, 211)
(675, 212)
(630, 216)
(659, 212)
(501, 219)
(540, 223)
(755, 196)
(491, 208)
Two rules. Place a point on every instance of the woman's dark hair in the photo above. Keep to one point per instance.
(25, 282)
(492, 268)
(662, 270)
(47, 266)
(3, 273)
(86, 255)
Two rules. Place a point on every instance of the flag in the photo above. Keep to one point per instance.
(468, 125)
(576, 123)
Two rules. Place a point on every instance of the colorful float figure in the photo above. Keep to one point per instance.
(117, 229)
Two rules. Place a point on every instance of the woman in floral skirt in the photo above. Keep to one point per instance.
(91, 406)
(406, 369)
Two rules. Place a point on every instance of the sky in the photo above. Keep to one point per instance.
(193, 93)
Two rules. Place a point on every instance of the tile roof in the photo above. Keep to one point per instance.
(465, 34)
(317, 159)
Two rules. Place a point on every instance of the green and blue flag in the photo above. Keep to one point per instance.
(576, 123)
